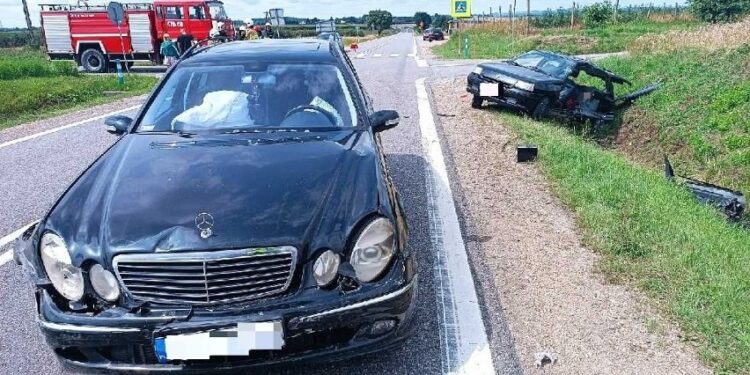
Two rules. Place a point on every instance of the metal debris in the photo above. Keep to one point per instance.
(731, 202)
(544, 358)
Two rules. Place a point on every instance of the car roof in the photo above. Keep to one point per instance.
(309, 50)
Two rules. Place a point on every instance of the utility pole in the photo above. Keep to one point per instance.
(528, 17)
(617, 5)
(573, 15)
(28, 19)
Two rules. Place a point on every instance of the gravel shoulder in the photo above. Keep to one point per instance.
(532, 267)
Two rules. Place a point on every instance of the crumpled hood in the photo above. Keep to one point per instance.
(276, 189)
(509, 74)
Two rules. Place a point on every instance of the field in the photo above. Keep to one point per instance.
(498, 40)
(32, 87)
(652, 233)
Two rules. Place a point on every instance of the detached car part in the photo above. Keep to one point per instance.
(542, 84)
(731, 203)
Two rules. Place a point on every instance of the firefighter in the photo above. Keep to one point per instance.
(267, 32)
(251, 33)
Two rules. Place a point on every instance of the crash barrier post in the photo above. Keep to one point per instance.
(120, 76)
(466, 47)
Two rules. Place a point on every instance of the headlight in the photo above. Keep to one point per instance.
(104, 283)
(66, 279)
(326, 267)
(478, 70)
(373, 250)
(525, 85)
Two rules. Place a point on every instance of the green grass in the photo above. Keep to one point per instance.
(652, 233)
(33, 88)
(494, 42)
(700, 116)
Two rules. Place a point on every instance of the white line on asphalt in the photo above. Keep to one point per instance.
(463, 337)
(8, 255)
(394, 55)
(377, 55)
(53, 130)
(422, 63)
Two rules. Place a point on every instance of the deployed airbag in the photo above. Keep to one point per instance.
(219, 109)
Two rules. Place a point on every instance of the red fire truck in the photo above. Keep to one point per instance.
(85, 34)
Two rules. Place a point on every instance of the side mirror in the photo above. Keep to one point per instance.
(384, 120)
(118, 124)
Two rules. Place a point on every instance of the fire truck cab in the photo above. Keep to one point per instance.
(84, 33)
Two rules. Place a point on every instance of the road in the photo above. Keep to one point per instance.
(37, 170)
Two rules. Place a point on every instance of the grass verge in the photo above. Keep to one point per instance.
(33, 98)
(652, 233)
(496, 41)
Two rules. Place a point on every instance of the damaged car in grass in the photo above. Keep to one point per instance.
(245, 217)
(546, 84)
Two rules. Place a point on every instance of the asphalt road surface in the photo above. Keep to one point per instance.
(36, 171)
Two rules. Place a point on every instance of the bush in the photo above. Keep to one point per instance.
(552, 18)
(597, 14)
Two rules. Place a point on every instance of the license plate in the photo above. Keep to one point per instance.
(235, 341)
(489, 89)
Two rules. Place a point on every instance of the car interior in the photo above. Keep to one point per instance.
(239, 97)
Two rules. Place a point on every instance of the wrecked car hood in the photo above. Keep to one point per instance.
(145, 193)
(508, 73)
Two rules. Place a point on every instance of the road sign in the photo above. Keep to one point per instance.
(116, 13)
(461, 8)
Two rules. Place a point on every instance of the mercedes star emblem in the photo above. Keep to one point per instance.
(205, 223)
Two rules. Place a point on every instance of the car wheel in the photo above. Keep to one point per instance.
(476, 102)
(93, 61)
(540, 111)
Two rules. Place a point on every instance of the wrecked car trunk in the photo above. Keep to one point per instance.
(543, 84)
(731, 203)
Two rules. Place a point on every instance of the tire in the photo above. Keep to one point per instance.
(93, 61)
(476, 102)
(540, 111)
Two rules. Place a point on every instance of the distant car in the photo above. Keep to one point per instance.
(543, 84)
(245, 217)
(332, 36)
(433, 34)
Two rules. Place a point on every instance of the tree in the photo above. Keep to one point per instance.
(423, 20)
(597, 14)
(719, 10)
(379, 20)
(441, 20)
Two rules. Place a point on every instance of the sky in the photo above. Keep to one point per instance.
(11, 12)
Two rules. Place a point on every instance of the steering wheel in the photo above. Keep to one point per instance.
(328, 114)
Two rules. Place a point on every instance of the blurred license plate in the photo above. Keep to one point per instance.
(236, 341)
(489, 89)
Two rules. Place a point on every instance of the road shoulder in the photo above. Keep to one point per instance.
(531, 266)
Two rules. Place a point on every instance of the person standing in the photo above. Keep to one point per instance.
(252, 33)
(169, 50)
(184, 41)
(267, 32)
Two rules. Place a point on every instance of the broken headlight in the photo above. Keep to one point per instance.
(373, 250)
(326, 267)
(66, 278)
(524, 85)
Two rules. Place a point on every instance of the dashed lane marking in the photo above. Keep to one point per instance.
(394, 55)
(54, 130)
(464, 345)
(377, 55)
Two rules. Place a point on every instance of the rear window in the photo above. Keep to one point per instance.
(247, 97)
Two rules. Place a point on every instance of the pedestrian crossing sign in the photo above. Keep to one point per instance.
(461, 8)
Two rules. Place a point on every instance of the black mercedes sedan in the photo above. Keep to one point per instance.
(245, 217)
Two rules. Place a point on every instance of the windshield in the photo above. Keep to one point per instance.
(549, 64)
(251, 97)
(217, 11)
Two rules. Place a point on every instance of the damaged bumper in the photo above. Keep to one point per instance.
(120, 340)
(510, 97)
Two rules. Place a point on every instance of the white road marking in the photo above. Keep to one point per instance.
(463, 337)
(377, 55)
(411, 55)
(394, 55)
(360, 56)
(8, 255)
(422, 63)
(54, 130)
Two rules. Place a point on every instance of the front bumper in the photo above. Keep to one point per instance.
(125, 341)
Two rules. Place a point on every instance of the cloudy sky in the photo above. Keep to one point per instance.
(11, 13)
